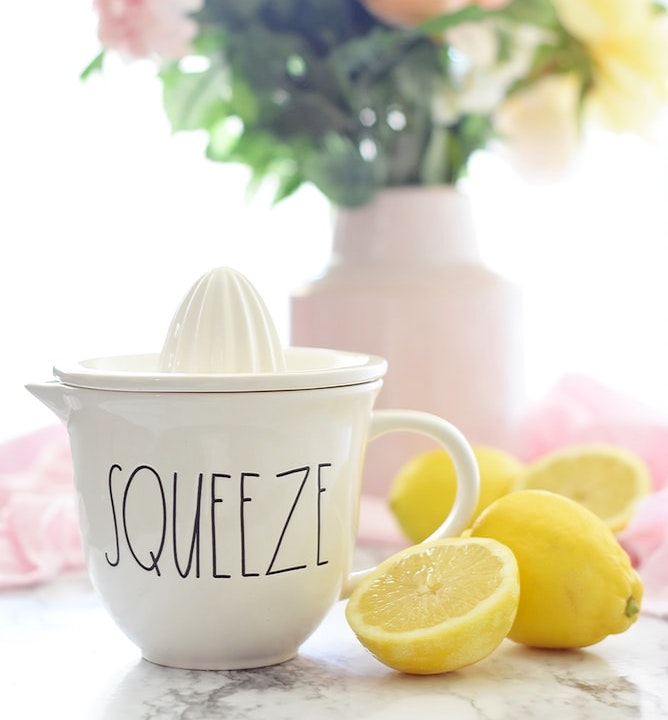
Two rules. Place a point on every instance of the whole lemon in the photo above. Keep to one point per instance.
(577, 585)
(423, 491)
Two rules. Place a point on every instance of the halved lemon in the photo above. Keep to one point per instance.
(438, 606)
(606, 479)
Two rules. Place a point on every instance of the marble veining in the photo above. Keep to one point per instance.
(61, 657)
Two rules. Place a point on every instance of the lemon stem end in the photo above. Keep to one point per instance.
(632, 607)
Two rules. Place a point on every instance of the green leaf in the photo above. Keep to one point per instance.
(308, 113)
(434, 169)
(288, 184)
(245, 103)
(342, 174)
(532, 12)
(471, 13)
(194, 101)
(95, 65)
(223, 138)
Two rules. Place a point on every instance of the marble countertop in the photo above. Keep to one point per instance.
(62, 657)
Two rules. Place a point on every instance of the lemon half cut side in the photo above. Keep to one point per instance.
(606, 479)
(438, 606)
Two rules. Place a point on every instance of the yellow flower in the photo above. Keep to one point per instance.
(628, 43)
(593, 20)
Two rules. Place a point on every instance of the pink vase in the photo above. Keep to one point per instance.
(406, 282)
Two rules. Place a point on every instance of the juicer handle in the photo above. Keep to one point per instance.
(461, 454)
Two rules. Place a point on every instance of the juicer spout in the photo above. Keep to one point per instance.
(53, 395)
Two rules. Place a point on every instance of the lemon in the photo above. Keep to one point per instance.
(423, 491)
(604, 478)
(438, 606)
(577, 585)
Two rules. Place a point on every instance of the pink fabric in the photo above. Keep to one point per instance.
(646, 542)
(38, 519)
(39, 535)
(580, 410)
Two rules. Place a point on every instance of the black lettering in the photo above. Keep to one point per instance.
(270, 569)
(243, 500)
(321, 490)
(214, 501)
(194, 541)
(155, 557)
(113, 515)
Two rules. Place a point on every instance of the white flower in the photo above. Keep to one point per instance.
(481, 72)
(478, 42)
(539, 127)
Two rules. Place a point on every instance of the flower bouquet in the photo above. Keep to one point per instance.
(357, 95)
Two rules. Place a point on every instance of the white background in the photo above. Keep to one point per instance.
(106, 220)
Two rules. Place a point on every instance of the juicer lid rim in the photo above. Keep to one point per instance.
(103, 373)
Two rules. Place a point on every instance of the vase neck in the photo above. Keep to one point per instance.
(408, 225)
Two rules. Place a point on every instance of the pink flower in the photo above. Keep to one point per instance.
(413, 12)
(147, 28)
